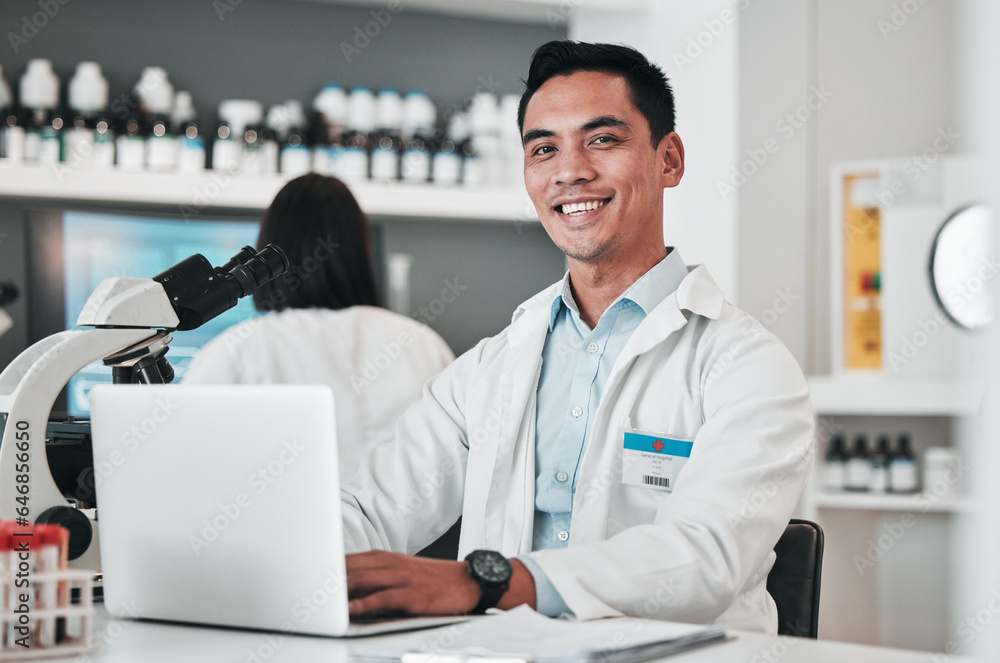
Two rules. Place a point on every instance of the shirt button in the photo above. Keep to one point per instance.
(577, 411)
(592, 348)
(561, 477)
(563, 536)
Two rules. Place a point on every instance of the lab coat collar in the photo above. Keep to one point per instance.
(696, 293)
(647, 292)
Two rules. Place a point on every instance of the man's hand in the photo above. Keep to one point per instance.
(379, 581)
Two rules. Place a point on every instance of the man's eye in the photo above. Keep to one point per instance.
(605, 139)
(544, 149)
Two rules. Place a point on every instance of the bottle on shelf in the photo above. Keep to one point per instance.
(89, 140)
(156, 102)
(235, 115)
(130, 143)
(484, 133)
(254, 156)
(859, 467)
(419, 116)
(835, 465)
(295, 157)
(190, 142)
(903, 467)
(353, 166)
(880, 466)
(386, 140)
(44, 124)
(11, 128)
(446, 164)
(330, 123)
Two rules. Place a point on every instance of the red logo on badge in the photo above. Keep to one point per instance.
(658, 445)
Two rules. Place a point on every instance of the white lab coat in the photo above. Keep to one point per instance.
(375, 361)
(696, 368)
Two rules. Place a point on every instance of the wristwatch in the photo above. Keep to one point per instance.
(493, 572)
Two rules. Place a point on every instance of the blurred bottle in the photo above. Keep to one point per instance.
(484, 133)
(419, 117)
(446, 165)
(235, 115)
(295, 156)
(330, 122)
(835, 465)
(11, 127)
(859, 467)
(903, 474)
(386, 140)
(880, 466)
(190, 142)
(43, 122)
(354, 161)
(89, 138)
(156, 103)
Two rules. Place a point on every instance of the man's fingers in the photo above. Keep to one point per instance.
(365, 581)
(380, 601)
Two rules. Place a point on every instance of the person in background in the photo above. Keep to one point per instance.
(323, 324)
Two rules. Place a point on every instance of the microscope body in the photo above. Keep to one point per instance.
(129, 320)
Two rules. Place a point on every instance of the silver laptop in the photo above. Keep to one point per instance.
(221, 505)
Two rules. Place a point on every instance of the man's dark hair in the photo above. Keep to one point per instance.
(649, 88)
(318, 224)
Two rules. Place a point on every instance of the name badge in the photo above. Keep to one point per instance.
(653, 461)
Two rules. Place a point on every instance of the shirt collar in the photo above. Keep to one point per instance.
(647, 292)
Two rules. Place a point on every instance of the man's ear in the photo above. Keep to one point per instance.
(670, 157)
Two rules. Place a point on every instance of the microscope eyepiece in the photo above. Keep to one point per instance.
(199, 292)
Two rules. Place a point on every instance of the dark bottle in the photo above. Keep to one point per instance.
(880, 466)
(903, 467)
(859, 468)
(835, 465)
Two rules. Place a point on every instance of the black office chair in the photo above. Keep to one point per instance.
(794, 579)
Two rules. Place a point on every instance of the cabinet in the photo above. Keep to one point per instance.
(886, 576)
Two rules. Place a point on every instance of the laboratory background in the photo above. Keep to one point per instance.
(842, 160)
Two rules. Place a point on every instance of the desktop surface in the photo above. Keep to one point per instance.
(121, 641)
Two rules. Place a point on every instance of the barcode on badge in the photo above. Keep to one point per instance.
(662, 482)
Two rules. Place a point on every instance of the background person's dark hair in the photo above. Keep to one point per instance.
(650, 90)
(318, 224)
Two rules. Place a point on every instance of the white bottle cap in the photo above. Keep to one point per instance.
(361, 110)
(508, 114)
(154, 91)
(389, 110)
(88, 89)
(458, 127)
(331, 103)
(6, 99)
(240, 113)
(39, 85)
(184, 110)
(295, 115)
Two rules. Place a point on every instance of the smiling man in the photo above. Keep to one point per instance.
(631, 443)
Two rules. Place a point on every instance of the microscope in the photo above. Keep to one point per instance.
(129, 323)
(8, 295)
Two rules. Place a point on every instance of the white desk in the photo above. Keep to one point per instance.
(127, 641)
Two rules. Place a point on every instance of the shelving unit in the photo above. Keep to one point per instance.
(222, 190)
(532, 11)
(876, 395)
(911, 503)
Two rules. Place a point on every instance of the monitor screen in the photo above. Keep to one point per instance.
(96, 246)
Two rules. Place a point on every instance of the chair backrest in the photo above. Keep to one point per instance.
(794, 580)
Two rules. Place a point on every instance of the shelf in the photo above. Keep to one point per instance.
(548, 12)
(916, 503)
(877, 395)
(221, 190)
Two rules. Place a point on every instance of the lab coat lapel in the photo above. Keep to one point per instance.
(697, 293)
(510, 503)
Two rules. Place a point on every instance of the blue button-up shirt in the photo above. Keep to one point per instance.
(576, 362)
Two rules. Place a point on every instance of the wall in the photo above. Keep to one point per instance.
(273, 50)
(696, 219)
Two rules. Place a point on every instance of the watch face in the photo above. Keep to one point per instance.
(490, 566)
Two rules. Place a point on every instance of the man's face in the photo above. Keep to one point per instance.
(591, 171)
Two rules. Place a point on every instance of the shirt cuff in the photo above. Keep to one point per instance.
(550, 603)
